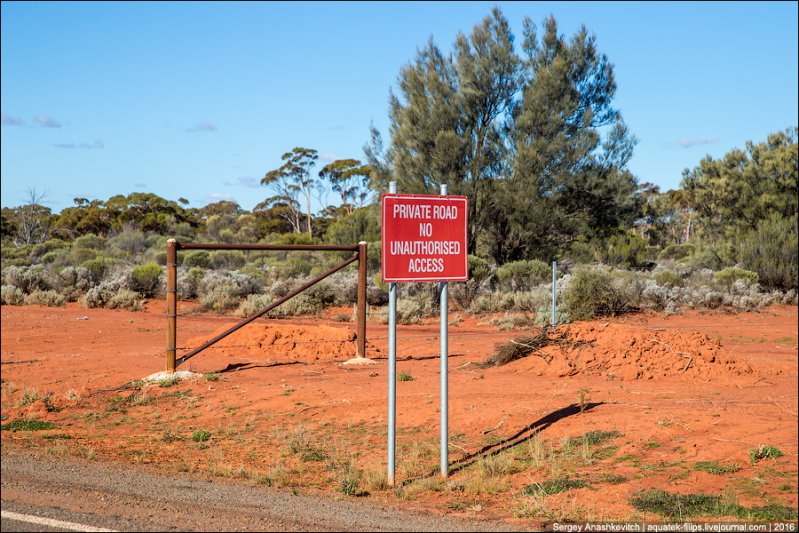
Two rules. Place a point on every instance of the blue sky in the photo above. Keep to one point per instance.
(199, 100)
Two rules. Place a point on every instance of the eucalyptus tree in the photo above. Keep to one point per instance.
(350, 179)
(294, 180)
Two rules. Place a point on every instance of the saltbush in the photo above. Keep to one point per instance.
(145, 279)
(48, 298)
(126, 299)
(253, 304)
(72, 282)
(221, 297)
(99, 266)
(197, 258)
(668, 279)
(11, 295)
(90, 241)
(676, 251)
(26, 278)
(728, 276)
(592, 292)
(227, 259)
(522, 275)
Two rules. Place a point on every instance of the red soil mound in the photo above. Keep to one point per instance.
(286, 343)
(628, 352)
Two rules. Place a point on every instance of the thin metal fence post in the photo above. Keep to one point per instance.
(171, 303)
(392, 368)
(444, 372)
(361, 327)
(554, 303)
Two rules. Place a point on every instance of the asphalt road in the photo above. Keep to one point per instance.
(122, 498)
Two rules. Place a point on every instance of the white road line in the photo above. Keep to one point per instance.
(49, 522)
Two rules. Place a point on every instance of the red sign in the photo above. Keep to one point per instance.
(424, 238)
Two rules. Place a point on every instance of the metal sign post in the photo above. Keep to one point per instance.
(444, 371)
(392, 367)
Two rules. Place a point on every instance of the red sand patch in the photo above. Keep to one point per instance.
(628, 352)
(285, 343)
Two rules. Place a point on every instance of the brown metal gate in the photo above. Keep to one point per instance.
(172, 248)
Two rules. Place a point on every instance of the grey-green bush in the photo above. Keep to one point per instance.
(523, 275)
(145, 279)
(197, 258)
(227, 259)
(728, 276)
(126, 299)
(591, 293)
(772, 250)
(26, 278)
(11, 295)
(73, 282)
(48, 298)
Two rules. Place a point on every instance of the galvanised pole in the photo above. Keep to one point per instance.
(444, 369)
(392, 368)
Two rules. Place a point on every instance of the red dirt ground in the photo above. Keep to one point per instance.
(677, 389)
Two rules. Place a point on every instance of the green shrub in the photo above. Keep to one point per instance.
(669, 279)
(728, 276)
(48, 298)
(221, 298)
(229, 259)
(480, 273)
(764, 452)
(201, 435)
(197, 258)
(78, 256)
(626, 249)
(52, 257)
(676, 251)
(73, 282)
(90, 241)
(253, 304)
(591, 293)
(145, 279)
(523, 275)
(126, 299)
(772, 250)
(194, 277)
(309, 302)
(28, 424)
(11, 295)
(411, 309)
(98, 267)
(28, 279)
(40, 249)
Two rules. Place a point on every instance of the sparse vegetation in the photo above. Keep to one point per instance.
(201, 435)
(764, 452)
(27, 424)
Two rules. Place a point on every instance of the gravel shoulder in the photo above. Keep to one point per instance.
(129, 499)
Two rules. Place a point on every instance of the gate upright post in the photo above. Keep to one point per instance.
(171, 303)
(361, 329)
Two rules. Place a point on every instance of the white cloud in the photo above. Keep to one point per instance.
(8, 120)
(203, 126)
(688, 143)
(217, 196)
(46, 122)
(96, 145)
(328, 157)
